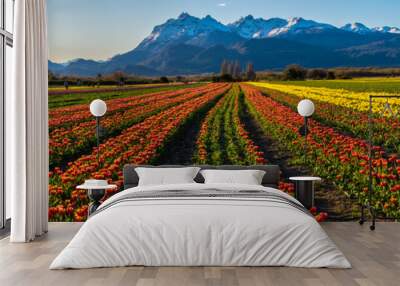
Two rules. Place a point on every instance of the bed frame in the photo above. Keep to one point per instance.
(270, 179)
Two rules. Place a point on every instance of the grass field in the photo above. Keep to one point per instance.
(223, 123)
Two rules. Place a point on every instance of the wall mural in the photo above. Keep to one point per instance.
(200, 91)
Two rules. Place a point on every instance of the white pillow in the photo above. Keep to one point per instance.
(248, 177)
(166, 176)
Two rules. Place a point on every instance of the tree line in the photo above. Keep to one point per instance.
(232, 71)
(297, 72)
(116, 78)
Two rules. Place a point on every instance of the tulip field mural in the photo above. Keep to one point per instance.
(225, 123)
(215, 84)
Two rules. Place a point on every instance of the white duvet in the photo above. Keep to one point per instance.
(199, 231)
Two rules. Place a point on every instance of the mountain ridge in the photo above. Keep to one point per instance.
(189, 45)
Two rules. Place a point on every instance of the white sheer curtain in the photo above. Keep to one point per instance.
(27, 124)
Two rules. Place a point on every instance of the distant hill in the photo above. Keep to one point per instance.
(191, 45)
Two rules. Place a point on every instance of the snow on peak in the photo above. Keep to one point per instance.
(298, 24)
(356, 27)
(362, 29)
(186, 27)
(249, 27)
(182, 27)
(387, 29)
(296, 21)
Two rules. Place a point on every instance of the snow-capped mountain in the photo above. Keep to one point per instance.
(362, 29)
(298, 24)
(182, 28)
(356, 28)
(190, 28)
(251, 28)
(188, 44)
(387, 29)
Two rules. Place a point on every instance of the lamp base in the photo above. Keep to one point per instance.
(303, 130)
(95, 196)
(305, 193)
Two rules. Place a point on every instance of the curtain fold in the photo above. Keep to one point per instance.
(27, 124)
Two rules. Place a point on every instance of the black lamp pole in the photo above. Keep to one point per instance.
(98, 108)
(306, 109)
(305, 138)
(98, 139)
(370, 204)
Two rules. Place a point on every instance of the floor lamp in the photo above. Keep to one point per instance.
(306, 109)
(369, 205)
(98, 108)
(96, 189)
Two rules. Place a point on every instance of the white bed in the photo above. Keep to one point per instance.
(200, 231)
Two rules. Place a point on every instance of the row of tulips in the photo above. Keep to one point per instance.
(337, 157)
(70, 115)
(386, 130)
(70, 142)
(251, 150)
(87, 89)
(341, 97)
(223, 139)
(203, 138)
(236, 140)
(137, 144)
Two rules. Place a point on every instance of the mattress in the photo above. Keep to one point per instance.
(201, 225)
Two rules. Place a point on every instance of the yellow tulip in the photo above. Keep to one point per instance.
(346, 98)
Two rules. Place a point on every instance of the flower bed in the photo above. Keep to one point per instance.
(223, 139)
(137, 144)
(337, 157)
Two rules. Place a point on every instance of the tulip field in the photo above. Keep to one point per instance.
(235, 146)
(140, 123)
(338, 150)
(345, 110)
(373, 84)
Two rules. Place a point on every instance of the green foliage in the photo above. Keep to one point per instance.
(317, 74)
(164, 79)
(250, 73)
(225, 140)
(294, 72)
(230, 70)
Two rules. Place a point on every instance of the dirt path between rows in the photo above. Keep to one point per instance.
(180, 148)
(327, 198)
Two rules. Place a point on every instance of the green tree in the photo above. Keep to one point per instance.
(294, 72)
(331, 75)
(224, 67)
(164, 79)
(99, 79)
(317, 74)
(250, 73)
(236, 70)
(119, 77)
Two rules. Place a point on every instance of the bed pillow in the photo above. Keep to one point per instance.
(166, 176)
(247, 177)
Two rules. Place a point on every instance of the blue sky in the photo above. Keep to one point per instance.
(99, 29)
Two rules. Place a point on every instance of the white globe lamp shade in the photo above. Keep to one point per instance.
(98, 107)
(306, 108)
